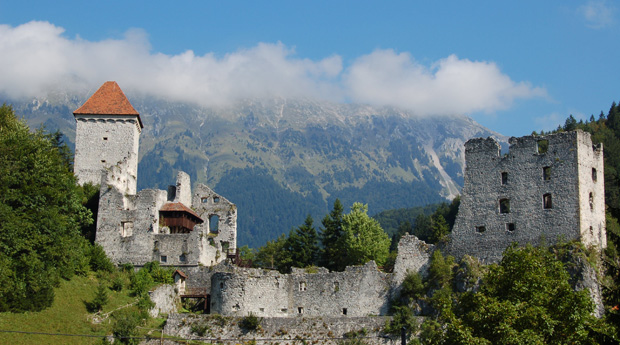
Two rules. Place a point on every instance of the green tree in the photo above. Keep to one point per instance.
(332, 239)
(303, 244)
(274, 255)
(364, 239)
(41, 215)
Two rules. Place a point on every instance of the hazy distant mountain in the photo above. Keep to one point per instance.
(280, 160)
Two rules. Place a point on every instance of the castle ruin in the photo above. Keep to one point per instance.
(545, 189)
(175, 227)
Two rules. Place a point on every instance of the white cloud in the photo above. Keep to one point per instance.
(597, 13)
(37, 57)
(451, 85)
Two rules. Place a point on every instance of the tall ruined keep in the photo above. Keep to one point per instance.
(175, 227)
(107, 131)
(546, 188)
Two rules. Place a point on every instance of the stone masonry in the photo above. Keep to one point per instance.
(546, 188)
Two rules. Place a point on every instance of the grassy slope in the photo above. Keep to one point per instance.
(67, 315)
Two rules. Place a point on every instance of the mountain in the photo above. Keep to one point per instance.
(280, 159)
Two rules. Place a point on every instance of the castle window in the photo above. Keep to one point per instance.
(182, 258)
(284, 310)
(547, 201)
(504, 206)
(547, 173)
(103, 161)
(126, 229)
(594, 177)
(542, 146)
(156, 245)
(510, 226)
(504, 177)
(163, 259)
(302, 286)
(262, 310)
(203, 200)
(105, 138)
(216, 199)
(300, 310)
(214, 221)
(344, 311)
(336, 286)
(481, 229)
(591, 201)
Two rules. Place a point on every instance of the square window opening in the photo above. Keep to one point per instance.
(481, 229)
(542, 146)
(344, 311)
(163, 259)
(504, 206)
(300, 310)
(510, 226)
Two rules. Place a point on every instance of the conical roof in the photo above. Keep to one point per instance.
(108, 100)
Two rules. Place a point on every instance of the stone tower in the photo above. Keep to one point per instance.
(107, 132)
(545, 189)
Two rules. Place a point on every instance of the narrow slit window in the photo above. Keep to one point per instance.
(591, 199)
(547, 204)
(594, 176)
(504, 178)
(300, 310)
(547, 173)
(504, 206)
(344, 311)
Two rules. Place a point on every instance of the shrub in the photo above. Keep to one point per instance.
(124, 325)
(412, 287)
(100, 300)
(98, 260)
(250, 322)
(141, 282)
(117, 283)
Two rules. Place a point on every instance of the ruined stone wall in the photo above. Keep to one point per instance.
(413, 256)
(220, 225)
(358, 291)
(102, 141)
(528, 195)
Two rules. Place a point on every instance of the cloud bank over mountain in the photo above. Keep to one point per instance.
(37, 57)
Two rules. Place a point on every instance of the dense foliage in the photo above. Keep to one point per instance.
(41, 216)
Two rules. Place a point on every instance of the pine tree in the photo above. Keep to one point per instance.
(331, 238)
(303, 244)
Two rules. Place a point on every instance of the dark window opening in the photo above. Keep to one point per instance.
(163, 258)
(510, 226)
(547, 201)
(302, 286)
(344, 311)
(221, 285)
(504, 206)
(594, 177)
(214, 221)
(481, 229)
(543, 146)
(547, 173)
(216, 199)
(261, 309)
(284, 310)
(105, 138)
(300, 310)
(203, 200)
(591, 201)
(182, 258)
(336, 286)
(103, 161)
(504, 177)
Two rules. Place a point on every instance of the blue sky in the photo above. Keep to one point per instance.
(512, 66)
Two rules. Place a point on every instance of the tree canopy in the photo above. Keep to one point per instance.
(41, 215)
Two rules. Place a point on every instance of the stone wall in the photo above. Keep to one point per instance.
(102, 141)
(128, 226)
(282, 330)
(529, 196)
(358, 291)
(166, 299)
(413, 256)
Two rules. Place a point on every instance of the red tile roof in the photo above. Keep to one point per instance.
(177, 206)
(108, 100)
(180, 273)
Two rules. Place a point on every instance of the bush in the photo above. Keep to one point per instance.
(117, 283)
(98, 260)
(412, 287)
(100, 300)
(124, 325)
(140, 282)
(250, 322)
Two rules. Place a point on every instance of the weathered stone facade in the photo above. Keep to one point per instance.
(544, 189)
(131, 225)
(358, 291)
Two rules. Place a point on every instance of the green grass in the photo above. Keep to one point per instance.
(68, 315)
